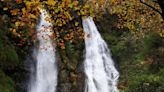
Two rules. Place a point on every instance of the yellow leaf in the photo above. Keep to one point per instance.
(75, 3)
(14, 12)
(51, 2)
(23, 10)
(56, 10)
(17, 23)
(14, 30)
(76, 8)
(28, 4)
(5, 8)
(76, 23)
(70, 5)
(33, 16)
(82, 12)
(60, 24)
(68, 15)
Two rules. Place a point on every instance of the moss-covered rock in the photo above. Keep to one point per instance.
(8, 57)
(6, 83)
(70, 76)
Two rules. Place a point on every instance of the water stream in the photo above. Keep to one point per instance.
(45, 79)
(101, 74)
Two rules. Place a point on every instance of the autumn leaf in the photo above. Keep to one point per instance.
(32, 16)
(18, 1)
(75, 3)
(14, 12)
(23, 10)
(76, 23)
(51, 2)
(62, 14)
(5, 8)
(17, 23)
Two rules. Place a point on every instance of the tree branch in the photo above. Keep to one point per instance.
(151, 7)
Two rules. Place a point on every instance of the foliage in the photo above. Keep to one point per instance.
(140, 61)
(8, 55)
(135, 16)
(6, 84)
(145, 83)
(65, 17)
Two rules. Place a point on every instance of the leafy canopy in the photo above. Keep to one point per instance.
(65, 17)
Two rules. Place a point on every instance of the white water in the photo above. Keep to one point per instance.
(46, 69)
(99, 67)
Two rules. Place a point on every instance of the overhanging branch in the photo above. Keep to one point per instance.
(151, 7)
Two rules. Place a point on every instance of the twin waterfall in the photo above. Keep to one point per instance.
(46, 69)
(101, 75)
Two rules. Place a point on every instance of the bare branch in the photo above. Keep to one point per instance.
(151, 7)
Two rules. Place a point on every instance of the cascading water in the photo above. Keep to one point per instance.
(99, 67)
(46, 69)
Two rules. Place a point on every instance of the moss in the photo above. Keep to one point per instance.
(8, 54)
(8, 57)
(69, 49)
(144, 83)
(150, 43)
(6, 83)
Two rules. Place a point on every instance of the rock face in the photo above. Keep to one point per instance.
(70, 76)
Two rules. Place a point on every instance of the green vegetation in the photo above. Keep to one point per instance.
(8, 60)
(140, 61)
(6, 83)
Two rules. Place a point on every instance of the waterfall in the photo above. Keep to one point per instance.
(45, 79)
(101, 74)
